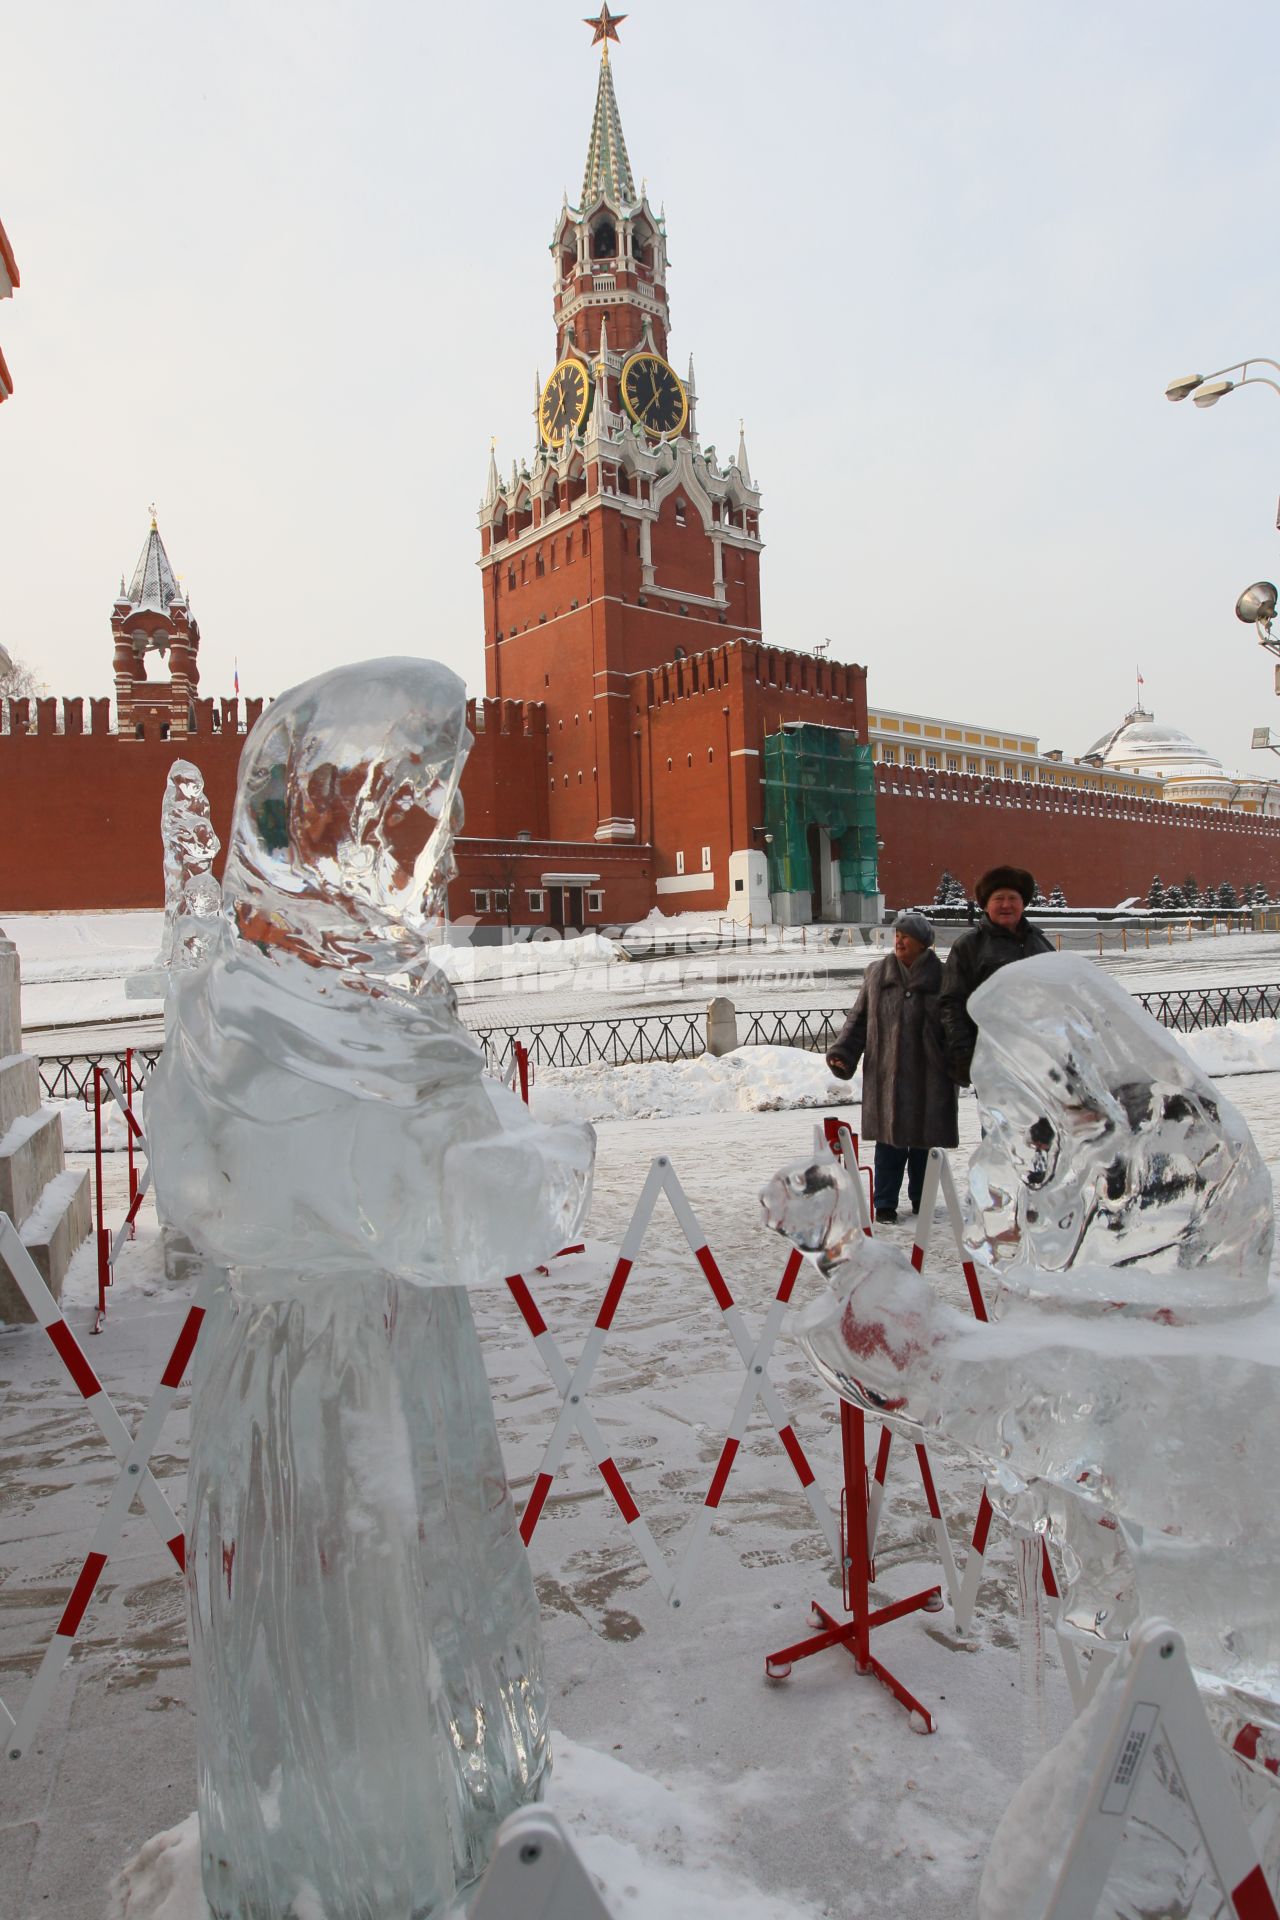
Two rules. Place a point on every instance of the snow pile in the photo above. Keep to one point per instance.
(750, 1080)
(1247, 1046)
(658, 1848)
(77, 1124)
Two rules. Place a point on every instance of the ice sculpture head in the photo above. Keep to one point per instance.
(814, 1205)
(341, 844)
(872, 1333)
(1104, 1145)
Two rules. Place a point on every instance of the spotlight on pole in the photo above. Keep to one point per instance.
(1179, 389)
(1257, 602)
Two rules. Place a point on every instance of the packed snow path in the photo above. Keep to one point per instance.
(834, 1805)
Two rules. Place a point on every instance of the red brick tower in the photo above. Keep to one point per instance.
(624, 544)
(151, 615)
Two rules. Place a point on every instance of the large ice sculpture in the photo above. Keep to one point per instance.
(364, 1629)
(1128, 1412)
(192, 897)
(1104, 1145)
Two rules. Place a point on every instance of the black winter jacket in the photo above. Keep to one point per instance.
(975, 956)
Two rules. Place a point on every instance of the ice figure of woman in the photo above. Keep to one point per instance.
(1128, 1411)
(364, 1629)
(192, 897)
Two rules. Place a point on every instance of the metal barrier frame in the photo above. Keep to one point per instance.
(636, 1039)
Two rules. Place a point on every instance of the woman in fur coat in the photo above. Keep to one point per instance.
(908, 1097)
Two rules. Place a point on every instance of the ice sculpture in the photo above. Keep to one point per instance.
(192, 897)
(1104, 1145)
(364, 1629)
(1129, 1412)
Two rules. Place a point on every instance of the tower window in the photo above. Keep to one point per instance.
(604, 241)
(680, 512)
(540, 564)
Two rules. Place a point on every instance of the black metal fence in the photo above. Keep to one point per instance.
(634, 1039)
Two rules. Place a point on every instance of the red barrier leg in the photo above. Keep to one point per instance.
(855, 1635)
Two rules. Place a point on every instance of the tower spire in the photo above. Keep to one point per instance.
(608, 170)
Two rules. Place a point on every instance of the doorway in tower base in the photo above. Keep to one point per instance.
(820, 825)
(567, 899)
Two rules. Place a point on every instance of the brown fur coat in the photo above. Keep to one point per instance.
(894, 1029)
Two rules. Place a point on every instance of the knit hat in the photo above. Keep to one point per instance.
(1016, 878)
(915, 924)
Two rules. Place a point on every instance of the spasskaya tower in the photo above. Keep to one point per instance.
(623, 544)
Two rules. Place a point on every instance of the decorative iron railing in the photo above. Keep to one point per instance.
(634, 1039)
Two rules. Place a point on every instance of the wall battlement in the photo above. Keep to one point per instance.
(50, 719)
(772, 668)
(510, 717)
(1026, 797)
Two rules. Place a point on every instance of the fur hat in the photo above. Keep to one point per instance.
(995, 878)
(915, 924)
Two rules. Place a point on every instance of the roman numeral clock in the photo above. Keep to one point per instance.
(565, 400)
(654, 396)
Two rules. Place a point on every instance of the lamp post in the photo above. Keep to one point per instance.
(1257, 604)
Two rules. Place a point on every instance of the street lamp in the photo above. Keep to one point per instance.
(1206, 389)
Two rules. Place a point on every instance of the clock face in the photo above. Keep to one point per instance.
(653, 395)
(564, 403)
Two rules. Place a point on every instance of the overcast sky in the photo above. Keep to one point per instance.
(284, 271)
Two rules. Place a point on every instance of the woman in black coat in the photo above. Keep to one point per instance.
(908, 1097)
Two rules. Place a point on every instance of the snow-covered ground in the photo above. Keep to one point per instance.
(74, 968)
(690, 1779)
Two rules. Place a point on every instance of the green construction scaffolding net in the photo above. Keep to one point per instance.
(819, 778)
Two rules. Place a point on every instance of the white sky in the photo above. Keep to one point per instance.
(285, 271)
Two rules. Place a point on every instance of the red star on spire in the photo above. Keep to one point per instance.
(606, 25)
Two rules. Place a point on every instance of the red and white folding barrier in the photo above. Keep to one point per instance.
(135, 1481)
(108, 1243)
(573, 1384)
(519, 1076)
(1158, 1702)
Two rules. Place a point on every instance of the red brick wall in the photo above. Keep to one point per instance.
(81, 811)
(1098, 848)
(625, 883)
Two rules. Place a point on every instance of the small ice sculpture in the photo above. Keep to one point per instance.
(192, 897)
(365, 1635)
(1127, 1412)
(1103, 1145)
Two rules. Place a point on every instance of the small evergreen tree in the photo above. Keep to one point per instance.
(1174, 899)
(950, 891)
(1057, 898)
(1038, 899)
(1228, 899)
(1190, 892)
(1256, 894)
(1156, 893)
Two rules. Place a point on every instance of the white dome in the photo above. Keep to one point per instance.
(1142, 744)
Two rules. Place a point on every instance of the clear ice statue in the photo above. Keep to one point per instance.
(364, 1629)
(1128, 1411)
(192, 897)
(1103, 1145)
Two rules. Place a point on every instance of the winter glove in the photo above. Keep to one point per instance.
(841, 1066)
(958, 1068)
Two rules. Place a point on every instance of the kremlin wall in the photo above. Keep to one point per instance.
(640, 743)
